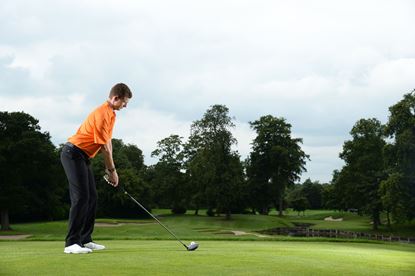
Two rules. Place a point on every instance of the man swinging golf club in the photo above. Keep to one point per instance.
(93, 136)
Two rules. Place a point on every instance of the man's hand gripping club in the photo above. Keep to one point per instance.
(110, 172)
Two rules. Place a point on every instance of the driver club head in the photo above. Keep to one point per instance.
(192, 246)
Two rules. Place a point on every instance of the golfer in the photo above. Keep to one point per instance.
(93, 136)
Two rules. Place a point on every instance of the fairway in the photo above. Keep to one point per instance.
(212, 258)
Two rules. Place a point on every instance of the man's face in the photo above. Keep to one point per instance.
(120, 103)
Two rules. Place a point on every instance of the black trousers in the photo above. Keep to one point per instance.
(83, 194)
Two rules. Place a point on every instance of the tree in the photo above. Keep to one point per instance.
(328, 196)
(296, 198)
(133, 154)
(213, 168)
(132, 172)
(299, 204)
(400, 128)
(343, 190)
(392, 195)
(231, 192)
(258, 187)
(30, 174)
(169, 179)
(200, 174)
(364, 168)
(276, 160)
(313, 192)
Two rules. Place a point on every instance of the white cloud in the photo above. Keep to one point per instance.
(145, 127)
(324, 160)
(244, 135)
(392, 74)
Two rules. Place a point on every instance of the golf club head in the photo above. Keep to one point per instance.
(192, 246)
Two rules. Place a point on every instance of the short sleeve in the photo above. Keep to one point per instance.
(102, 127)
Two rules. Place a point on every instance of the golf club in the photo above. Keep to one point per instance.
(192, 246)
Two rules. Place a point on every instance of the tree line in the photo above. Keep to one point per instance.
(205, 172)
(379, 171)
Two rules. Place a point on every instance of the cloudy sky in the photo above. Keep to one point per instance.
(322, 65)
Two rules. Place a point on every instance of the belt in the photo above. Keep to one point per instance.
(72, 146)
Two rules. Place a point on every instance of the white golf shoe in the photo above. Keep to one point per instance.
(76, 249)
(94, 246)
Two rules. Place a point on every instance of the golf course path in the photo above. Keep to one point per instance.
(242, 233)
(104, 224)
(14, 237)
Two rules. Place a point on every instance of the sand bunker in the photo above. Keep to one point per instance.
(332, 219)
(242, 233)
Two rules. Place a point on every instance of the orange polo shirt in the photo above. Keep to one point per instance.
(95, 131)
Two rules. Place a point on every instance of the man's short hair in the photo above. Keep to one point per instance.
(121, 90)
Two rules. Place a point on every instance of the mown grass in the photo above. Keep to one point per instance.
(142, 247)
(212, 258)
(202, 227)
(351, 222)
(185, 226)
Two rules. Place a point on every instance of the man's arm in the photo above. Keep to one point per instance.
(106, 151)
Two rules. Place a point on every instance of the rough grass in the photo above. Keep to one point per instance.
(212, 258)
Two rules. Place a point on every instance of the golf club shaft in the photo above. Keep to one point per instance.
(142, 207)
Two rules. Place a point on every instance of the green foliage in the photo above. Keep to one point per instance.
(392, 192)
(214, 170)
(296, 198)
(313, 193)
(30, 173)
(378, 174)
(343, 193)
(276, 161)
(327, 196)
(401, 154)
(169, 182)
(258, 188)
(299, 204)
(360, 178)
(170, 150)
(130, 168)
(305, 196)
(133, 154)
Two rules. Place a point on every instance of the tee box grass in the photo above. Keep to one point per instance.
(149, 257)
(142, 247)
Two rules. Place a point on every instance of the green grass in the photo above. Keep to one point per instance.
(185, 226)
(351, 222)
(202, 227)
(212, 258)
(142, 247)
